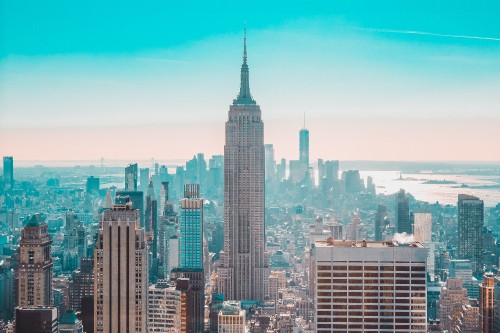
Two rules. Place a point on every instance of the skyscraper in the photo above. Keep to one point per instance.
(403, 213)
(470, 231)
(244, 271)
(422, 225)
(369, 287)
(380, 220)
(304, 147)
(487, 304)
(270, 162)
(36, 320)
(164, 308)
(191, 228)
(120, 272)
(35, 265)
(131, 177)
(8, 172)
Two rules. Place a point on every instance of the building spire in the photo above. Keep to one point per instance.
(244, 96)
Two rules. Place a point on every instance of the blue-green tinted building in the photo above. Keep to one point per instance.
(191, 228)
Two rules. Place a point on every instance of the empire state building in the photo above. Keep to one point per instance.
(245, 270)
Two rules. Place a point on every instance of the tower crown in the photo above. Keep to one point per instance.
(244, 97)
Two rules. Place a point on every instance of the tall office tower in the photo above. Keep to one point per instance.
(352, 181)
(281, 170)
(331, 170)
(81, 284)
(8, 172)
(270, 162)
(151, 219)
(231, 318)
(36, 320)
(356, 230)
(451, 295)
(70, 255)
(7, 296)
(131, 177)
(136, 199)
(487, 304)
(120, 272)
(304, 146)
(470, 231)
(202, 168)
(191, 252)
(369, 287)
(35, 265)
(164, 308)
(403, 213)
(144, 179)
(167, 229)
(462, 269)
(191, 228)
(422, 225)
(191, 283)
(92, 185)
(245, 270)
(380, 221)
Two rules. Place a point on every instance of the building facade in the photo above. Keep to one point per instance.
(35, 265)
(470, 231)
(120, 272)
(164, 308)
(245, 270)
(402, 209)
(369, 287)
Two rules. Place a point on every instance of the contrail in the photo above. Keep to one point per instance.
(411, 32)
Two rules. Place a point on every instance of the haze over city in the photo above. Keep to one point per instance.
(385, 81)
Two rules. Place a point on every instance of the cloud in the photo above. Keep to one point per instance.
(403, 238)
(411, 32)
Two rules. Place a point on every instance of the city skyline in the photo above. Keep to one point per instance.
(356, 77)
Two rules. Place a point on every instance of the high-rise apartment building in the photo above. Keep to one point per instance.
(422, 225)
(8, 172)
(164, 308)
(131, 177)
(191, 228)
(35, 265)
(487, 304)
(120, 272)
(245, 270)
(403, 213)
(452, 294)
(82, 284)
(369, 287)
(470, 231)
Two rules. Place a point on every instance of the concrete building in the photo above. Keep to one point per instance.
(369, 287)
(191, 282)
(487, 304)
(120, 272)
(245, 269)
(164, 308)
(451, 295)
(231, 318)
(422, 226)
(470, 231)
(36, 320)
(82, 284)
(35, 265)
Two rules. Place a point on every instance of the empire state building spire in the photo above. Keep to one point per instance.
(244, 97)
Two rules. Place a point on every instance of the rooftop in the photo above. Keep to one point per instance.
(330, 242)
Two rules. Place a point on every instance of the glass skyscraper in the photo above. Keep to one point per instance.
(470, 231)
(191, 228)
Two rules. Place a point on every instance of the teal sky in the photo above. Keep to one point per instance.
(379, 80)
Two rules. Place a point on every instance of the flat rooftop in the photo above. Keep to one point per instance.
(371, 244)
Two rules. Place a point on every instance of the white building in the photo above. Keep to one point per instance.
(121, 272)
(422, 226)
(231, 318)
(164, 308)
(370, 287)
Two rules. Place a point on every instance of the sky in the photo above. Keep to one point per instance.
(377, 80)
